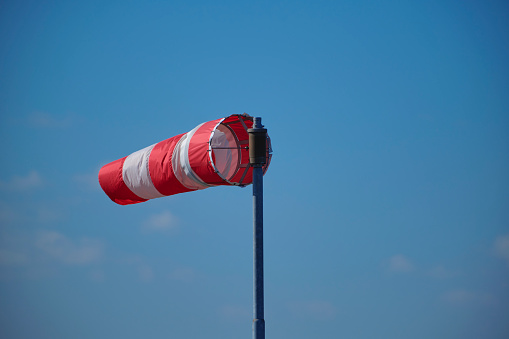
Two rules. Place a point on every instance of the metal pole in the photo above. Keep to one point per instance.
(257, 155)
(258, 307)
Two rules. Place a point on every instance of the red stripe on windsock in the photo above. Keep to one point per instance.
(112, 183)
(161, 168)
(199, 155)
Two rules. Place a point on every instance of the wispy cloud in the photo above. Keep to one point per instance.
(15, 247)
(16, 258)
(50, 121)
(12, 257)
(39, 254)
(185, 275)
(97, 276)
(234, 312)
(440, 272)
(30, 215)
(399, 263)
(46, 214)
(501, 247)
(22, 183)
(63, 249)
(465, 297)
(7, 215)
(144, 271)
(161, 222)
(87, 181)
(318, 309)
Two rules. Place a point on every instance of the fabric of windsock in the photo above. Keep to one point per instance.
(213, 153)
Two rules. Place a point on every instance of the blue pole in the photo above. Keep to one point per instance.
(258, 307)
(257, 155)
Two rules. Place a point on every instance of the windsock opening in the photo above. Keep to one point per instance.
(225, 150)
(229, 150)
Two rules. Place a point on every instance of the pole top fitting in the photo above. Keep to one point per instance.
(257, 122)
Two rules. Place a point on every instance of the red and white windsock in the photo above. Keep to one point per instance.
(213, 153)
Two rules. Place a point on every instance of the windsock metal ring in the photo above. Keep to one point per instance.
(213, 153)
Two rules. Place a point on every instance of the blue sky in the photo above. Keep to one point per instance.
(386, 203)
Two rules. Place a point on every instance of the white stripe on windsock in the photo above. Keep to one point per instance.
(181, 165)
(137, 176)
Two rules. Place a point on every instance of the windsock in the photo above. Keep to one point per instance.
(213, 153)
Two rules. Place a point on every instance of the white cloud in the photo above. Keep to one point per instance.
(15, 247)
(464, 297)
(97, 276)
(46, 214)
(31, 255)
(145, 273)
(318, 309)
(185, 275)
(235, 312)
(22, 183)
(64, 250)
(161, 222)
(501, 247)
(7, 215)
(88, 181)
(399, 263)
(12, 257)
(29, 215)
(441, 272)
(45, 120)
